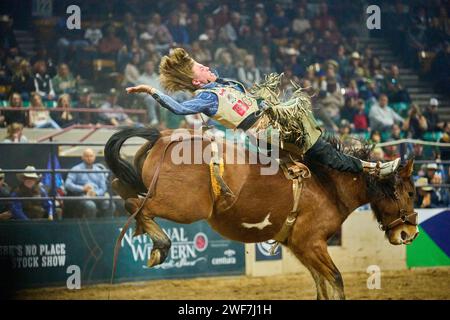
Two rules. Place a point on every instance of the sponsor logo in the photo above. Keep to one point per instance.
(228, 258)
(184, 251)
(265, 247)
(240, 107)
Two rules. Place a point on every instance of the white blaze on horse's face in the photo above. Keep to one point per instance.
(259, 225)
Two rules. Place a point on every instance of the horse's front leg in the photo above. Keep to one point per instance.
(314, 255)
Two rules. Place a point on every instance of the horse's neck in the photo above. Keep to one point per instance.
(350, 189)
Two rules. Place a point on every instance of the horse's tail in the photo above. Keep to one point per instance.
(121, 168)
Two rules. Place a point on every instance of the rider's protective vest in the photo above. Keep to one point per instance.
(234, 105)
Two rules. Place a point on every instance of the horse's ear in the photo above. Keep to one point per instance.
(407, 170)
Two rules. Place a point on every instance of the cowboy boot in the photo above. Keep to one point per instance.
(381, 169)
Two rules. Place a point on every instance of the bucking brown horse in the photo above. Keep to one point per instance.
(182, 193)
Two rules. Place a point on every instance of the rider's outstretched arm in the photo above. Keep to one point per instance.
(205, 102)
(200, 104)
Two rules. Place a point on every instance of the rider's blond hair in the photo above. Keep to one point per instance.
(176, 71)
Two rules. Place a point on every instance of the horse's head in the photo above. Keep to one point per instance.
(392, 201)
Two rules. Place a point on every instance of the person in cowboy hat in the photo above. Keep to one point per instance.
(5, 212)
(426, 195)
(228, 102)
(30, 187)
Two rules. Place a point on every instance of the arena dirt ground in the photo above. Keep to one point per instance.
(408, 284)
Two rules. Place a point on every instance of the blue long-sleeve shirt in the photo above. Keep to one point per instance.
(17, 208)
(76, 181)
(204, 102)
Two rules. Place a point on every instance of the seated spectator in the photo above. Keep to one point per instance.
(226, 68)
(15, 116)
(249, 74)
(265, 62)
(5, 212)
(5, 80)
(195, 26)
(445, 151)
(64, 81)
(39, 115)
(7, 34)
(89, 184)
(344, 133)
(391, 152)
(381, 116)
(396, 133)
(355, 69)
(426, 195)
(14, 133)
(370, 91)
(432, 171)
(442, 193)
(156, 26)
(69, 41)
(109, 45)
(22, 80)
(394, 89)
(300, 23)
(375, 137)
(279, 23)
(131, 72)
(200, 54)
(352, 90)
(179, 33)
(349, 110)
(30, 186)
(65, 118)
(151, 78)
(415, 123)
(43, 55)
(360, 120)
(232, 31)
(114, 118)
(377, 154)
(43, 84)
(85, 102)
(432, 116)
(333, 101)
(292, 62)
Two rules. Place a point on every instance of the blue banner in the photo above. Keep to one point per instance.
(43, 253)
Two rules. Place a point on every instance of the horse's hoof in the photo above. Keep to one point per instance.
(155, 258)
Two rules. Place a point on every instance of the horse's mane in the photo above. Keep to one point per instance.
(362, 152)
(376, 188)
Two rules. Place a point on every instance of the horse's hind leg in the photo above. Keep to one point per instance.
(314, 255)
(124, 190)
(146, 224)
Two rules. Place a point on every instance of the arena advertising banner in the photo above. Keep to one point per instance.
(432, 246)
(263, 251)
(48, 253)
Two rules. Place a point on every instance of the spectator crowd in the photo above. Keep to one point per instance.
(314, 43)
(87, 180)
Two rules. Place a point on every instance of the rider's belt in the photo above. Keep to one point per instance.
(252, 118)
(248, 122)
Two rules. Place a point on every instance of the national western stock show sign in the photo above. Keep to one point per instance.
(46, 253)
